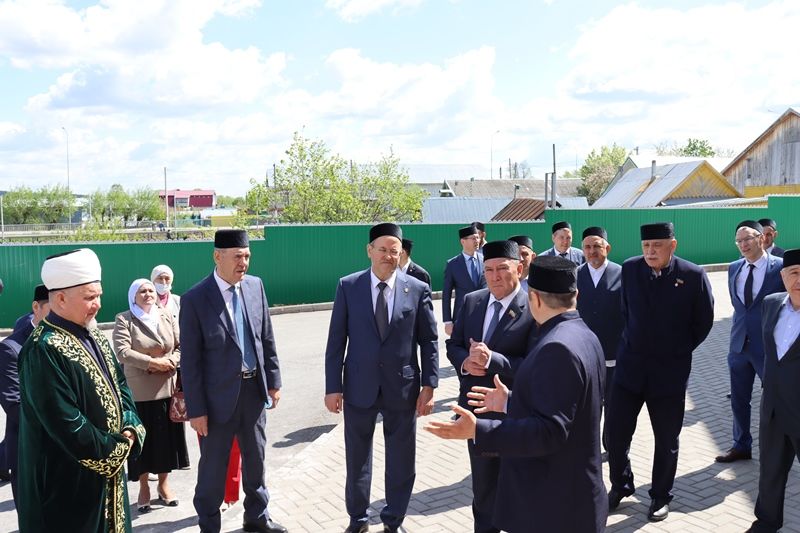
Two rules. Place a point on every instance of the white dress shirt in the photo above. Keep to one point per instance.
(759, 273)
(505, 302)
(388, 292)
(597, 273)
(227, 296)
(786, 328)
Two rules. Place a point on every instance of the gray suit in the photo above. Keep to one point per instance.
(211, 374)
(779, 430)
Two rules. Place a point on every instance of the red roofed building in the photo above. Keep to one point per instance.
(198, 198)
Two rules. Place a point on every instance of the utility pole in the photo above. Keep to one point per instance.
(553, 197)
(166, 197)
(67, 135)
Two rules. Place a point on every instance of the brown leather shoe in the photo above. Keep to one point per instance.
(734, 455)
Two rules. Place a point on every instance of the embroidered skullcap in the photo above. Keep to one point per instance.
(657, 230)
(500, 249)
(553, 274)
(791, 258)
(752, 224)
(595, 231)
(522, 240)
(71, 269)
(768, 222)
(479, 225)
(467, 231)
(561, 225)
(41, 294)
(408, 244)
(386, 229)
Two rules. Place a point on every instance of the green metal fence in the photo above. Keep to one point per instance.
(301, 264)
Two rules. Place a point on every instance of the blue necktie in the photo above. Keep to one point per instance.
(498, 307)
(248, 357)
(473, 267)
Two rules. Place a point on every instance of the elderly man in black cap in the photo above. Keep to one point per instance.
(526, 256)
(669, 310)
(550, 473)
(9, 381)
(381, 320)
(463, 274)
(751, 278)
(229, 372)
(770, 234)
(491, 337)
(779, 430)
(562, 244)
(599, 300)
(78, 421)
(409, 267)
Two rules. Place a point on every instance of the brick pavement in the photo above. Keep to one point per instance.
(308, 492)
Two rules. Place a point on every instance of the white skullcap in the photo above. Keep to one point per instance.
(161, 269)
(70, 269)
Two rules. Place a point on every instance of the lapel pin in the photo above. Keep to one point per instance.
(405, 289)
(678, 282)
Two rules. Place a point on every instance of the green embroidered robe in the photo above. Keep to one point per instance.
(71, 447)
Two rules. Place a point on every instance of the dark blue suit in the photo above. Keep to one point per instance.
(382, 376)
(779, 426)
(666, 318)
(416, 271)
(9, 396)
(746, 355)
(601, 308)
(573, 254)
(777, 251)
(211, 373)
(457, 277)
(511, 341)
(551, 478)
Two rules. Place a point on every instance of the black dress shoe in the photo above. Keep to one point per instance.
(659, 510)
(361, 527)
(614, 498)
(734, 455)
(269, 527)
(393, 529)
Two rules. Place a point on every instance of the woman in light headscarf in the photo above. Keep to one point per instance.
(162, 278)
(146, 342)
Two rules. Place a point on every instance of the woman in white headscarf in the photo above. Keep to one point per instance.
(146, 341)
(162, 278)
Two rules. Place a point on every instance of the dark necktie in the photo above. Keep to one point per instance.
(493, 322)
(248, 357)
(748, 286)
(564, 255)
(381, 311)
(473, 270)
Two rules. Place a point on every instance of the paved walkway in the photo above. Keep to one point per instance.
(308, 491)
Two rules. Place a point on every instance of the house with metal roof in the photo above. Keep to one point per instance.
(460, 210)
(503, 188)
(667, 185)
(771, 163)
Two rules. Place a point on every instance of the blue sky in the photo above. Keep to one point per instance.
(214, 89)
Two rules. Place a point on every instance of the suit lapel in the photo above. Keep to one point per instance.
(477, 319)
(512, 314)
(365, 288)
(217, 304)
(772, 266)
(734, 280)
(248, 291)
(400, 300)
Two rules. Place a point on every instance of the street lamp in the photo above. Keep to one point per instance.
(67, 135)
(491, 154)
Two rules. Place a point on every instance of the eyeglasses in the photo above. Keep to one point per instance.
(740, 242)
(391, 253)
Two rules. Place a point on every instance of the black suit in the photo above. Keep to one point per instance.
(666, 318)
(512, 339)
(601, 308)
(551, 478)
(416, 271)
(779, 429)
(9, 396)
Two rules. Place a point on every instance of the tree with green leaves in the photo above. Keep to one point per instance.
(599, 169)
(697, 148)
(56, 204)
(312, 185)
(21, 206)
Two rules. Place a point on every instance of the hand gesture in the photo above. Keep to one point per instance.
(463, 428)
(486, 399)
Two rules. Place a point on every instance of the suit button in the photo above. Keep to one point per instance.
(380, 365)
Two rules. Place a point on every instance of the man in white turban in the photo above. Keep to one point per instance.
(78, 421)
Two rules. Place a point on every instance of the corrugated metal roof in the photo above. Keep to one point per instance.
(529, 188)
(461, 210)
(573, 202)
(636, 189)
(521, 209)
(645, 159)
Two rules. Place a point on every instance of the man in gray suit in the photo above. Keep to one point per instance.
(380, 318)
(229, 370)
(779, 430)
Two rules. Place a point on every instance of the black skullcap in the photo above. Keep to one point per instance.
(479, 225)
(595, 231)
(553, 274)
(502, 249)
(658, 230)
(750, 224)
(561, 225)
(791, 258)
(41, 294)
(522, 240)
(408, 244)
(467, 231)
(231, 238)
(387, 229)
(768, 222)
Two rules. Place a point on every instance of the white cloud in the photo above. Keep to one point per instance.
(355, 10)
